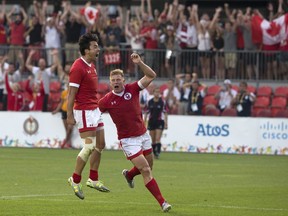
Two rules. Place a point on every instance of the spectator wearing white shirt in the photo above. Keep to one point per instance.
(171, 96)
(187, 36)
(52, 37)
(43, 73)
(185, 81)
(225, 95)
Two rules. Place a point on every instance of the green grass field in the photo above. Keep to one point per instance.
(34, 182)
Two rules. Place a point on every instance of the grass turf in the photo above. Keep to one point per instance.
(34, 182)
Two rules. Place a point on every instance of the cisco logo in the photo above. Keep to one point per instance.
(271, 131)
(209, 130)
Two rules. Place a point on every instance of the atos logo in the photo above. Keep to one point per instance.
(209, 130)
(270, 131)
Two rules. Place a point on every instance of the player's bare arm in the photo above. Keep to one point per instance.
(70, 104)
(149, 74)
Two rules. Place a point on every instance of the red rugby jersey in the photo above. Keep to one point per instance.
(84, 77)
(125, 111)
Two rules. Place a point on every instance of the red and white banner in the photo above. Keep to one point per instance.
(91, 14)
(269, 33)
(112, 58)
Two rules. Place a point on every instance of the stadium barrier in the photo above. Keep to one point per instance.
(252, 65)
(233, 135)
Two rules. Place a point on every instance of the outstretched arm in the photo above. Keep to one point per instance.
(28, 63)
(149, 74)
(3, 9)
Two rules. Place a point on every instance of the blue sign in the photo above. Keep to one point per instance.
(270, 131)
(209, 130)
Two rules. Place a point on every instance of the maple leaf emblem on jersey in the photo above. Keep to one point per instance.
(127, 96)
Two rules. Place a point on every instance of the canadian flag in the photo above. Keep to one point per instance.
(269, 33)
(91, 14)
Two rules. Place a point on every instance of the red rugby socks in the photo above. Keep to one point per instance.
(93, 175)
(76, 178)
(152, 186)
(133, 172)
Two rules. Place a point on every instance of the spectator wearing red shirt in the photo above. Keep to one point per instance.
(150, 34)
(37, 93)
(15, 97)
(3, 30)
(17, 31)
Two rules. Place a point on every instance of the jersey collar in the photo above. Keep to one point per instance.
(86, 62)
(119, 94)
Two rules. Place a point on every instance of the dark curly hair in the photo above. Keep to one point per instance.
(84, 41)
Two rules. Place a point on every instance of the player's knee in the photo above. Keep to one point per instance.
(146, 170)
(100, 145)
(99, 150)
(89, 144)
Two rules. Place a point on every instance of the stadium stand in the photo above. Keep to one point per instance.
(278, 103)
(55, 86)
(209, 99)
(264, 113)
(251, 89)
(261, 103)
(265, 91)
(212, 111)
(229, 112)
(281, 91)
(281, 114)
(213, 89)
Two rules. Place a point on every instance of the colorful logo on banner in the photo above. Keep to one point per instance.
(270, 131)
(31, 125)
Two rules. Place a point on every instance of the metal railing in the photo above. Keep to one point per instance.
(256, 66)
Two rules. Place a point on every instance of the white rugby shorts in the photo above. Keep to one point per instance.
(87, 120)
(134, 146)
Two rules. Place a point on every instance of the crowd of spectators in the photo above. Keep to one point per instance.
(39, 44)
(186, 95)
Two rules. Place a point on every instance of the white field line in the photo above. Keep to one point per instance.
(40, 197)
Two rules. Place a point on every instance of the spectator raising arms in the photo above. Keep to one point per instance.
(225, 95)
(196, 96)
(43, 73)
(17, 31)
(37, 93)
(244, 100)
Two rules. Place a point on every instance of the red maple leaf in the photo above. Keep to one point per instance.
(91, 15)
(274, 29)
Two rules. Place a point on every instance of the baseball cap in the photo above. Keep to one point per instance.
(227, 81)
